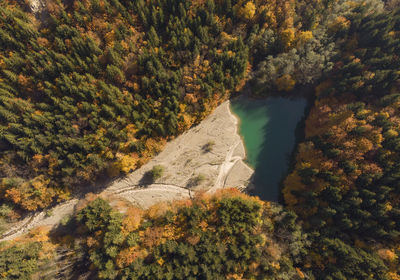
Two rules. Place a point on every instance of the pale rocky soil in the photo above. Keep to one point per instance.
(36, 5)
(183, 159)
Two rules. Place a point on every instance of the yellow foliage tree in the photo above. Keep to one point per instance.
(125, 164)
(387, 255)
(133, 218)
(292, 182)
(248, 11)
(127, 256)
(340, 23)
(393, 276)
(285, 83)
(31, 195)
(288, 37)
(304, 37)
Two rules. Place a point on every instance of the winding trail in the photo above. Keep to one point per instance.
(41, 219)
(182, 158)
(225, 168)
(230, 160)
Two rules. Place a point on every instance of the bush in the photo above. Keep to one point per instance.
(156, 172)
(66, 220)
(49, 213)
(5, 210)
(209, 146)
(197, 180)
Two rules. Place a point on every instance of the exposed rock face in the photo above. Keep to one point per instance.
(206, 157)
(36, 6)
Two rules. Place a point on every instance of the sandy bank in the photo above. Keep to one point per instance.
(212, 151)
(186, 158)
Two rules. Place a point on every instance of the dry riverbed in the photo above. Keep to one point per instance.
(207, 157)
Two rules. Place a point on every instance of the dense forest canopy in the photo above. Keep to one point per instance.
(93, 86)
(100, 85)
(345, 184)
(226, 236)
(194, 239)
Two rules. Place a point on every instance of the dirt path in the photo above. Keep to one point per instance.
(183, 159)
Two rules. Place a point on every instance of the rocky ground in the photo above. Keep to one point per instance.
(36, 5)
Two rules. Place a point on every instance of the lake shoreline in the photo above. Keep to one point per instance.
(184, 159)
(238, 129)
(268, 126)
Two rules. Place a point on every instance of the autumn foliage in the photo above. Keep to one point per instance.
(344, 184)
(228, 234)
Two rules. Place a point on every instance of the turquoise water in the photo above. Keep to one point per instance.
(268, 129)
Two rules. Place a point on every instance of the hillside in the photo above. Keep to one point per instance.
(91, 90)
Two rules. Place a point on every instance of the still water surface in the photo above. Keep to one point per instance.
(268, 129)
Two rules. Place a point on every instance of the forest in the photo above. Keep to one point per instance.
(192, 239)
(92, 89)
(345, 183)
(98, 86)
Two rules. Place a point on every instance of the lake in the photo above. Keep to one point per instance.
(268, 130)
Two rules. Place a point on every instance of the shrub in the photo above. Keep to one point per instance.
(156, 172)
(197, 180)
(209, 146)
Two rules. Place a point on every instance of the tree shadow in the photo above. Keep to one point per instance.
(71, 263)
(147, 179)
